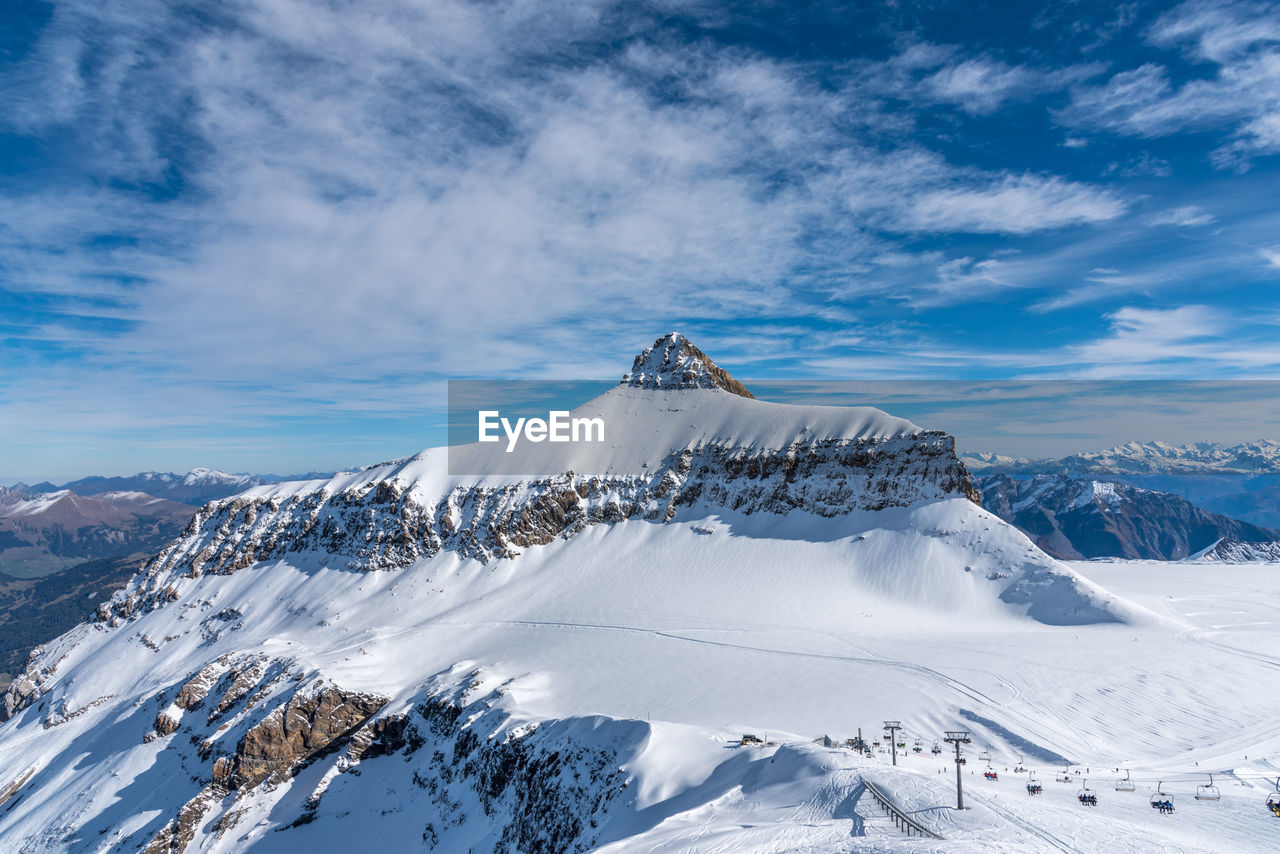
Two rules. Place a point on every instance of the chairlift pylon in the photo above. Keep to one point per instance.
(1209, 792)
(1125, 785)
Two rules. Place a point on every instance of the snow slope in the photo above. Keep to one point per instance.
(328, 666)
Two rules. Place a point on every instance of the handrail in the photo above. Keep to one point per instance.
(908, 823)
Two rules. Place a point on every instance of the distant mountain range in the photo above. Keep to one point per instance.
(42, 533)
(45, 528)
(1239, 481)
(1260, 457)
(1076, 518)
(196, 487)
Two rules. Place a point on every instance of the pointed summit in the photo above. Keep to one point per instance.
(673, 362)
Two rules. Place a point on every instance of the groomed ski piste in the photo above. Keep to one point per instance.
(592, 692)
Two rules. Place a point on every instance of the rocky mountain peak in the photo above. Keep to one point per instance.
(674, 363)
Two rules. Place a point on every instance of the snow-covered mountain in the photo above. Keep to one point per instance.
(42, 533)
(404, 658)
(1229, 550)
(1238, 481)
(1074, 518)
(194, 488)
(1260, 457)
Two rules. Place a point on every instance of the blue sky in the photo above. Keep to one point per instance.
(262, 235)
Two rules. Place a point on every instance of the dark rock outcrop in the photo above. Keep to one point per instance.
(299, 731)
(673, 363)
(22, 693)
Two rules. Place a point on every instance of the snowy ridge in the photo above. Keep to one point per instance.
(1098, 491)
(15, 503)
(389, 518)
(1235, 551)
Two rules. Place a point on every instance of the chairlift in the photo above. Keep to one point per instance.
(1066, 776)
(1018, 769)
(1160, 800)
(985, 755)
(1209, 792)
(935, 750)
(1273, 800)
(990, 773)
(1033, 788)
(1086, 796)
(1125, 785)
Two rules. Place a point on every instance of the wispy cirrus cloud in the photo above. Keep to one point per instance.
(1239, 39)
(1184, 215)
(1016, 204)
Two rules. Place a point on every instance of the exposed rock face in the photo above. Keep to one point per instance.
(298, 731)
(310, 723)
(548, 793)
(165, 725)
(673, 362)
(192, 694)
(22, 693)
(537, 788)
(174, 837)
(10, 789)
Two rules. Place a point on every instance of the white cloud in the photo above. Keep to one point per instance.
(1162, 342)
(1239, 39)
(978, 85)
(1254, 139)
(1143, 335)
(1186, 215)
(1218, 31)
(1017, 204)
